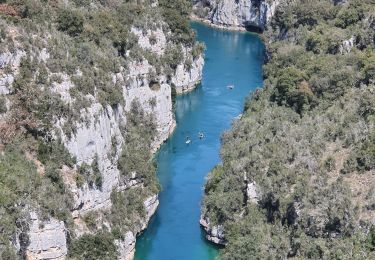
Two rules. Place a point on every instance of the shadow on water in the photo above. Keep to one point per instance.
(232, 58)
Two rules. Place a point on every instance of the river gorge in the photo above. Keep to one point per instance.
(233, 69)
(159, 129)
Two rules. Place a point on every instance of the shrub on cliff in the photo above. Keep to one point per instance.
(136, 157)
(292, 89)
(98, 246)
(70, 21)
(128, 203)
(176, 14)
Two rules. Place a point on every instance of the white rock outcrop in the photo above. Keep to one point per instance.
(215, 234)
(126, 246)
(155, 40)
(237, 14)
(347, 45)
(90, 141)
(185, 79)
(47, 239)
(161, 108)
(151, 204)
(9, 67)
(252, 192)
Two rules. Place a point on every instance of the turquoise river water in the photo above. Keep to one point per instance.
(231, 58)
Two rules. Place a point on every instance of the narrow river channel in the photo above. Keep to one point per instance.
(232, 59)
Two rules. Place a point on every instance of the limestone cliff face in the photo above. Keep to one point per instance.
(237, 14)
(99, 137)
(47, 239)
(186, 78)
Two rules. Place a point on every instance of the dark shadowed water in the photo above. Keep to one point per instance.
(232, 58)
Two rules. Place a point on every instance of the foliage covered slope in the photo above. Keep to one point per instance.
(85, 42)
(305, 141)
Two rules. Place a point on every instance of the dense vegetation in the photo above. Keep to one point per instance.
(79, 46)
(306, 141)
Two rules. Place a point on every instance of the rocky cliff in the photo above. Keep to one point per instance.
(237, 14)
(99, 127)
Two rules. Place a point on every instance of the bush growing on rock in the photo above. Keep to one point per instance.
(127, 203)
(176, 15)
(70, 21)
(135, 157)
(98, 246)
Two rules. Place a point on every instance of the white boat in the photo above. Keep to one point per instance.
(188, 141)
(230, 86)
